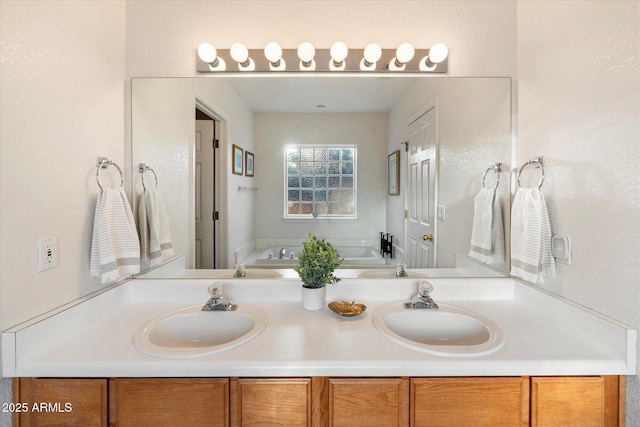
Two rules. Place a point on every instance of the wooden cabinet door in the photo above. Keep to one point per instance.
(271, 402)
(486, 401)
(170, 402)
(575, 401)
(60, 402)
(368, 402)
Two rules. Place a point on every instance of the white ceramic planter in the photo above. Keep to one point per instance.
(313, 298)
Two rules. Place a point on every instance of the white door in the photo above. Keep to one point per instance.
(421, 184)
(204, 194)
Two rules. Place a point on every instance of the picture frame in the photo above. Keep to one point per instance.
(237, 159)
(393, 180)
(248, 163)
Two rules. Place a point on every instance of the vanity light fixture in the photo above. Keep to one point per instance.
(339, 52)
(372, 54)
(437, 54)
(240, 54)
(207, 53)
(273, 53)
(337, 59)
(306, 53)
(404, 54)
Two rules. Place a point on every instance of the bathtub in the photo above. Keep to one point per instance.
(353, 256)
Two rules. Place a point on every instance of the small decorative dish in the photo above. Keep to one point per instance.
(347, 309)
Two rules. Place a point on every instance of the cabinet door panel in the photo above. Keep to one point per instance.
(157, 402)
(490, 401)
(577, 401)
(62, 402)
(271, 402)
(368, 402)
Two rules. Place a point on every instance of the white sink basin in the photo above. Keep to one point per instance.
(447, 331)
(191, 332)
(251, 273)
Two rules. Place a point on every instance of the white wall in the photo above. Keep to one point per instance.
(163, 112)
(474, 127)
(62, 106)
(579, 107)
(274, 131)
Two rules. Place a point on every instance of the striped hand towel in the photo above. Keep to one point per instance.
(487, 235)
(531, 257)
(155, 233)
(115, 250)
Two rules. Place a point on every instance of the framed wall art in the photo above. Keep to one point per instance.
(248, 163)
(237, 159)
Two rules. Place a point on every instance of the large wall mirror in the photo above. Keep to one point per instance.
(256, 119)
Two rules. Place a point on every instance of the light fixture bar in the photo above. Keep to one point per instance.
(322, 58)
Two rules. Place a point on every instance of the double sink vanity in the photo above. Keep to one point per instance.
(492, 351)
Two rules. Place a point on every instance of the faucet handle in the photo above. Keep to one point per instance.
(425, 288)
(215, 290)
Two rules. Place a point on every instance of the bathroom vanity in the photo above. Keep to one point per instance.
(555, 363)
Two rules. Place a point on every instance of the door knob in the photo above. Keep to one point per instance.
(427, 237)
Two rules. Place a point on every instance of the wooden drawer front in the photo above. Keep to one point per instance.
(271, 402)
(62, 402)
(452, 402)
(577, 401)
(157, 402)
(368, 402)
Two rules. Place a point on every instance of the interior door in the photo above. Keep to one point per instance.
(204, 194)
(421, 196)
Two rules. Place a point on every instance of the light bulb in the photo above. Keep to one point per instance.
(306, 52)
(273, 52)
(372, 53)
(438, 53)
(404, 53)
(339, 52)
(207, 52)
(239, 53)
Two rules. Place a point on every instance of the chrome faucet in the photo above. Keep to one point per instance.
(401, 270)
(218, 302)
(240, 271)
(422, 300)
(282, 253)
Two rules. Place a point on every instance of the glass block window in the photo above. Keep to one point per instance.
(320, 181)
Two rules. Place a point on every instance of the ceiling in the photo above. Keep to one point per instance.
(300, 93)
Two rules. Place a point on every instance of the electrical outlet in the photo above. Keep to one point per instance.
(47, 253)
(561, 248)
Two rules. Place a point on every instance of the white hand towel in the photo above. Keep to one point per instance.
(143, 230)
(155, 232)
(487, 235)
(115, 250)
(531, 257)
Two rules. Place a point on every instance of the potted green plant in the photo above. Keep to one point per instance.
(316, 264)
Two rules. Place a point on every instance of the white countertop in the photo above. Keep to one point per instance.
(543, 335)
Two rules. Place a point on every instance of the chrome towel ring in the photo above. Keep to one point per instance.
(103, 163)
(538, 162)
(142, 168)
(497, 168)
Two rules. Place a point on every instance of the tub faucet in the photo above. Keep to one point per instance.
(240, 271)
(218, 302)
(401, 270)
(282, 253)
(422, 300)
